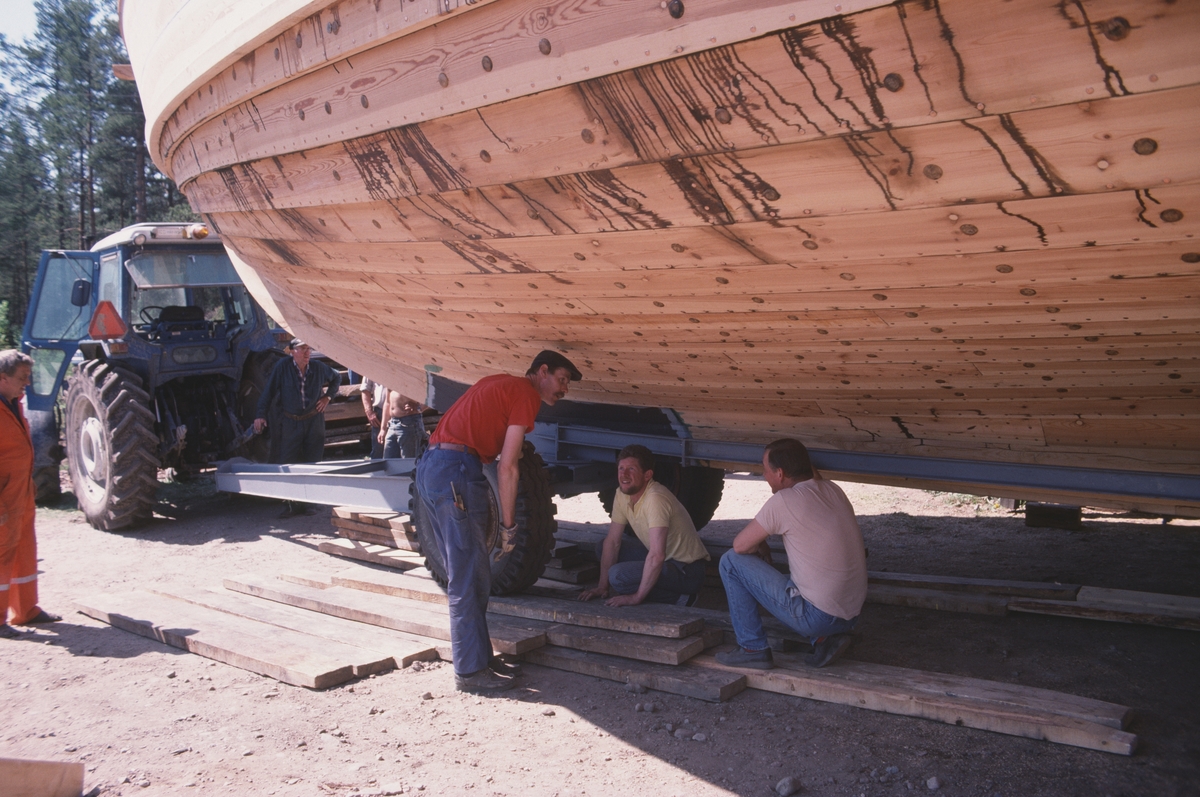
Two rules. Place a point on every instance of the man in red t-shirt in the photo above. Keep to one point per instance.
(488, 422)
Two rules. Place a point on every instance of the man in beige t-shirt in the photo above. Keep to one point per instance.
(826, 557)
(666, 563)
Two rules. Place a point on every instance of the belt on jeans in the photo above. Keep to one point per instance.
(455, 447)
(303, 417)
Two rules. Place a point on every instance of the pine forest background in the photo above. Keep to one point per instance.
(73, 159)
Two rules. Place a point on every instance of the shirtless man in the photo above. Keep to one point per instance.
(403, 428)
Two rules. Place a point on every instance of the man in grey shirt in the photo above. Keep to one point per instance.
(826, 557)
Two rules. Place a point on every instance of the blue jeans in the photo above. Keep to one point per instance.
(676, 579)
(461, 537)
(750, 582)
(404, 437)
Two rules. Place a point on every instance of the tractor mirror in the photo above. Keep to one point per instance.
(81, 293)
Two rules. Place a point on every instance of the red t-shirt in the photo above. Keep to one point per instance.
(481, 416)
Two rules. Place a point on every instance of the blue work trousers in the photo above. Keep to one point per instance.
(750, 582)
(405, 437)
(676, 580)
(460, 529)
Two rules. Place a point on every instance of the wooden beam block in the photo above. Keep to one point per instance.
(402, 649)
(375, 554)
(376, 534)
(26, 777)
(580, 574)
(986, 586)
(1113, 612)
(686, 680)
(399, 584)
(1003, 708)
(423, 619)
(630, 646)
(287, 656)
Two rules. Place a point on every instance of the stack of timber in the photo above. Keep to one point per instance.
(318, 630)
(982, 595)
(953, 229)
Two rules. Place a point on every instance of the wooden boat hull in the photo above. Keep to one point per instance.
(960, 229)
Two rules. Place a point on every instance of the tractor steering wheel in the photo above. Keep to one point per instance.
(145, 313)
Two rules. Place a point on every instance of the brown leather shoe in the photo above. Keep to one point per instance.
(484, 682)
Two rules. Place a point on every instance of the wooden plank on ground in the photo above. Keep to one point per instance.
(630, 646)
(376, 534)
(387, 520)
(1183, 605)
(579, 574)
(375, 554)
(1110, 611)
(986, 586)
(309, 578)
(424, 619)
(288, 656)
(26, 777)
(1002, 708)
(942, 600)
(671, 622)
(691, 681)
(402, 648)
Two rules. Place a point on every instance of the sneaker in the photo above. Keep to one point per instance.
(827, 649)
(484, 682)
(752, 659)
(501, 667)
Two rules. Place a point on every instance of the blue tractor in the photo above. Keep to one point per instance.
(148, 353)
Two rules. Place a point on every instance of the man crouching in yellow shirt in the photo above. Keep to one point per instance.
(666, 560)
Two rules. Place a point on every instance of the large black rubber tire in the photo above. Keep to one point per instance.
(698, 488)
(536, 526)
(47, 486)
(111, 445)
(256, 371)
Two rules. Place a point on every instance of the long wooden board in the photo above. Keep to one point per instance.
(385, 555)
(686, 680)
(374, 535)
(940, 600)
(670, 622)
(1003, 708)
(288, 656)
(984, 586)
(630, 646)
(403, 649)
(422, 619)
(387, 520)
(1120, 606)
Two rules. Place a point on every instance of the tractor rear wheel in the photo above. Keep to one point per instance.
(111, 445)
(523, 565)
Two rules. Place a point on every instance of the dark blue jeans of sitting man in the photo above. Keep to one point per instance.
(460, 530)
(750, 582)
(676, 581)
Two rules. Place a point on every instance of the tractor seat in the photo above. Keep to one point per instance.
(182, 322)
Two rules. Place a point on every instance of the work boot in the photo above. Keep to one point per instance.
(827, 649)
(501, 667)
(42, 616)
(484, 682)
(752, 659)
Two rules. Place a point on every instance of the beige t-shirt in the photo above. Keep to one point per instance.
(658, 507)
(824, 545)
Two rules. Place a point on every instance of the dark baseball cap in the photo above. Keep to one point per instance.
(554, 361)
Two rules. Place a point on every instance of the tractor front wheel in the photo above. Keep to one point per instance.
(111, 445)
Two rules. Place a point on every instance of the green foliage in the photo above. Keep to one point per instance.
(73, 161)
(6, 336)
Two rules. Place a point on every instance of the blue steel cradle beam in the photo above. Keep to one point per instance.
(380, 485)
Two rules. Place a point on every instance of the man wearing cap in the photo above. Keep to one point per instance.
(303, 389)
(487, 422)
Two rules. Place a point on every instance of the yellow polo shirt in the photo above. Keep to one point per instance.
(658, 507)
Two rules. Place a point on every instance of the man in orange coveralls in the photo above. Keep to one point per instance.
(18, 548)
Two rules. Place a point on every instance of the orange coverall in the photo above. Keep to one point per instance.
(18, 547)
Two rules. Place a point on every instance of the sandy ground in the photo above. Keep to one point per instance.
(150, 720)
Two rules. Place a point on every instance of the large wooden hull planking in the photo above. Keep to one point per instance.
(961, 228)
